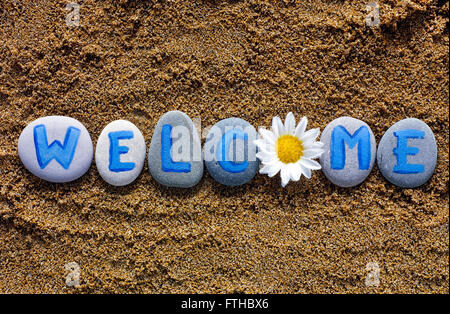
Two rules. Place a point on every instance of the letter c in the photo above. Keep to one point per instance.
(223, 150)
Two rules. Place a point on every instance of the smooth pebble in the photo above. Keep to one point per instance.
(349, 151)
(174, 157)
(56, 148)
(120, 153)
(407, 153)
(229, 152)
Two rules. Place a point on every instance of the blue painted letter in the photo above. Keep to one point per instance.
(115, 165)
(402, 150)
(223, 150)
(340, 136)
(167, 164)
(63, 154)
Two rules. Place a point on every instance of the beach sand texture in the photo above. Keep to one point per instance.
(136, 60)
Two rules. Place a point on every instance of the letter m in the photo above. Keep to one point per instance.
(339, 137)
(63, 154)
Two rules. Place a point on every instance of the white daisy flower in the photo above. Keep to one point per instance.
(288, 149)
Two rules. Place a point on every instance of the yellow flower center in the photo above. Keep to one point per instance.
(289, 149)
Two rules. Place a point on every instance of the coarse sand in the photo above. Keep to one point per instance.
(136, 60)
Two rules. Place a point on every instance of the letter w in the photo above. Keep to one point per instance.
(61, 153)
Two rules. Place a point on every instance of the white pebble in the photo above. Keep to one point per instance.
(120, 153)
(56, 148)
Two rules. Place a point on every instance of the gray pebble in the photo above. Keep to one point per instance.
(120, 153)
(349, 151)
(175, 154)
(229, 152)
(56, 148)
(407, 153)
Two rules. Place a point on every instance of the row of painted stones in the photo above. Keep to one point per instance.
(406, 154)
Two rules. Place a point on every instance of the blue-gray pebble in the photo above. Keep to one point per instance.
(56, 148)
(240, 163)
(349, 151)
(407, 153)
(180, 166)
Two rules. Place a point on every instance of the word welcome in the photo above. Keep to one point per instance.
(59, 149)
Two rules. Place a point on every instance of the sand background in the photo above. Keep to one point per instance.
(136, 60)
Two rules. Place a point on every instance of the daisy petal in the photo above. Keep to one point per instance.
(301, 127)
(285, 177)
(316, 145)
(295, 171)
(305, 170)
(311, 164)
(265, 169)
(278, 127)
(310, 135)
(270, 169)
(274, 171)
(267, 135)
(289, 123)
(268, 150)
(265, 156)
(264, 145)
(312, 153)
